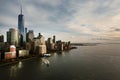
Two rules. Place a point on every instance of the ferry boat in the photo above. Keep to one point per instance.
(46, 55)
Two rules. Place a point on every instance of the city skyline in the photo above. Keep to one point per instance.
(74, 20)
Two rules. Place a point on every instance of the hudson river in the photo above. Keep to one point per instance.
(100, 62)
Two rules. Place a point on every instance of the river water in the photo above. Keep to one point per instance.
(100, 62)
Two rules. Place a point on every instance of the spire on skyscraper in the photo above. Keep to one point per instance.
(21, 9)
(20, 6)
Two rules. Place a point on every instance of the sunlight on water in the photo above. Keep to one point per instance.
(101, 62)
(15, 68)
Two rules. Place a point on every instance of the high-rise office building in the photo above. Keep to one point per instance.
(54, 39)
(50, 44)
(25, 34)
(30, 36)
(1, 38)
(50, 41)
(39, 44)
(21, 28)
(13, 36)
(25, 30)
(59, 45)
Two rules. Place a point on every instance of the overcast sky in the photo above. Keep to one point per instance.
(74, 20)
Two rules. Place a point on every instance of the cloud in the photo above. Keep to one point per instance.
(97, 21)
(76, 20)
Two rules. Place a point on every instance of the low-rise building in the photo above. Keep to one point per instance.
(7, 55)
(23, 53)
(13, 51)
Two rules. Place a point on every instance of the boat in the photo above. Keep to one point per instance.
(46, 55)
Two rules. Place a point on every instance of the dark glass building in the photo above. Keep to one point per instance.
(1, 38)
(54, 39)
(21, 28)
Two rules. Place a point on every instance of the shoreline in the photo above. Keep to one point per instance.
(16, 60)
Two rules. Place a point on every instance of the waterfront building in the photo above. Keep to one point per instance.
(13, 51)
(40, 40)
(30, 47)
(50, 44)
(42, 49)
(60, 45)
(11, 54)
(13, 36)
(7, 55)
(29, 41)
(30, 36)
(1, 38)
(23, 53)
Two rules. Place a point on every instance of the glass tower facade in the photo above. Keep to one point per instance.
(21, 28)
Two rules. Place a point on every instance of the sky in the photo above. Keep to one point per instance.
(69, 20)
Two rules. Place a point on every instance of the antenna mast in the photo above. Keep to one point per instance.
(20, 6)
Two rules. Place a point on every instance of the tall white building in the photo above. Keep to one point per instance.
(13, 36)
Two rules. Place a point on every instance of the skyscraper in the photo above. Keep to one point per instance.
(25, 34)
(21, 27)
(54, 39)
(12, 36)
(1, 38)
(30, 36)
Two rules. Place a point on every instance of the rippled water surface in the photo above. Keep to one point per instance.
(101, 62)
